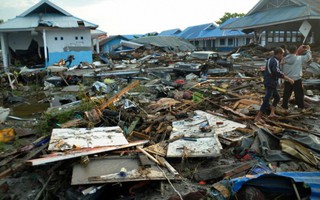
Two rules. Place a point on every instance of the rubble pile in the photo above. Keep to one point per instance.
(130, 127)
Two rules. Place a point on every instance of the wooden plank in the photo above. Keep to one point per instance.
(78, 153)
(239, 170)
(133, 125)
(119, 94)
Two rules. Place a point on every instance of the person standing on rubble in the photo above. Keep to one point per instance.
(292, 67)
(271, 76)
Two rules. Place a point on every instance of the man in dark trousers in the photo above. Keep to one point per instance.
(292, 67)
(271, 77)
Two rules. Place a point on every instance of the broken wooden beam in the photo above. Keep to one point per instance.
(165, 163)
(78, 153)
(118, 95)
(149, 155)
(20, 164)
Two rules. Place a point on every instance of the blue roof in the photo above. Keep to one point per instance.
(134, 36)
(216, 32)
(171, 32)
(193, 32)
(206, 31)
(110, 38)
(260, 17)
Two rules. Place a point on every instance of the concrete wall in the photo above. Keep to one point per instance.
(62, 43)
(57, 40)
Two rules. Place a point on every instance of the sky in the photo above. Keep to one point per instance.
(121, 17)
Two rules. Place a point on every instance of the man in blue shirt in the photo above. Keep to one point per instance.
(271, 77)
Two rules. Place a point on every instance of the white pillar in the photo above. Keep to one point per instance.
(4, 51)
(97, 46)
(45, 46)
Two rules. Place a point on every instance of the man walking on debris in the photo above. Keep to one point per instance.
(271, 76)
(292, 67)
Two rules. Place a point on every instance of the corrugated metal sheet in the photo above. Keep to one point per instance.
(44, 5)
(193, 31)
(305, 9)
(47, 13)
(33, 22)
(171, 32)
(210, 31)
(171, 42)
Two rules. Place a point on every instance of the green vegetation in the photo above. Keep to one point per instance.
(53, 119)
(228, 15)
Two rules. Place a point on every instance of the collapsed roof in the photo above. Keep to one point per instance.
(168, 43)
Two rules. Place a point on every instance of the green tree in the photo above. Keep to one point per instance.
(1, 21)
(228, 15)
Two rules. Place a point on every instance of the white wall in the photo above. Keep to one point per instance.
(59, 39)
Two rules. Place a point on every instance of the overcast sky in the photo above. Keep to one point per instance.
(138, 16)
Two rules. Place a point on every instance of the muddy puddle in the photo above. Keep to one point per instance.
(30, 106)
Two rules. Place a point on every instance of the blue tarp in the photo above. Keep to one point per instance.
(310, 179)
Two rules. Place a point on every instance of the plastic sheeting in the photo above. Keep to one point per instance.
(311, 179)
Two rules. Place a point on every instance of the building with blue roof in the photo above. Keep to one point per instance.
(211, 37)
(276, 23)
(110, 43)
(171, 32)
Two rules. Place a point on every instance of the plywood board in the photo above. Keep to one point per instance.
(195, 142)
(108, 171)
(70, 138)
(202, 147)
